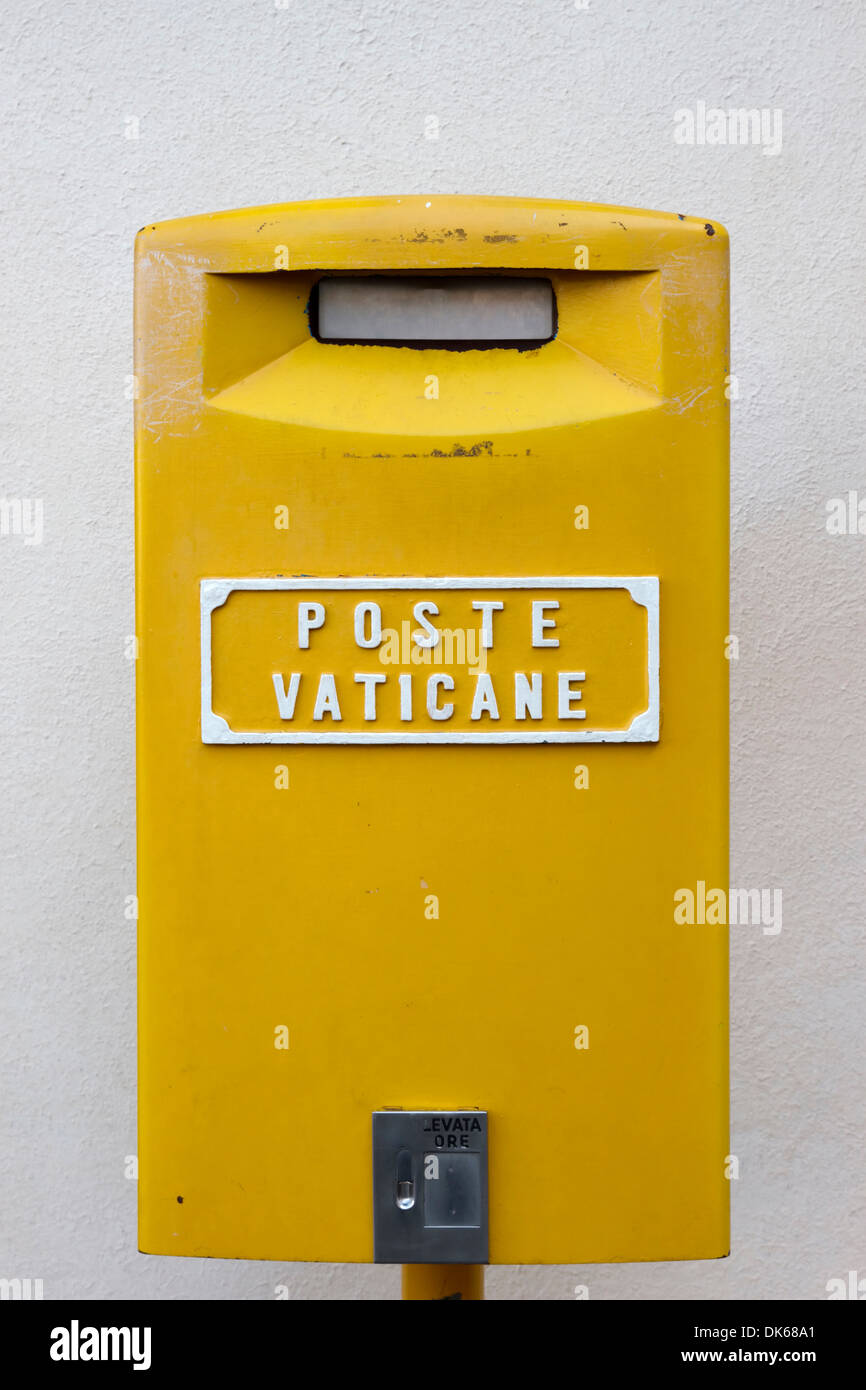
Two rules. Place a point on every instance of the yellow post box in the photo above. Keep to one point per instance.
(432, 730)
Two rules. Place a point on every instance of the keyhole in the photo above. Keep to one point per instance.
(405, 1184)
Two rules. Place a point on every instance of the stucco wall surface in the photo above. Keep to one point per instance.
(114, 115)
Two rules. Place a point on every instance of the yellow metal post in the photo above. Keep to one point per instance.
(440, 1282)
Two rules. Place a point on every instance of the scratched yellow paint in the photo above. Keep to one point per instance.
(429, 925)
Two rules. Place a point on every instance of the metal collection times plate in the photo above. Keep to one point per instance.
(430, 1187)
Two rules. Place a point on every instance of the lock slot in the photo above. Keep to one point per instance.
(453, 312)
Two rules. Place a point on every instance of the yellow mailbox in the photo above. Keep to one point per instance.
(432, 728)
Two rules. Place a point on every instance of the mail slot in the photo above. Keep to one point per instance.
(432, 547)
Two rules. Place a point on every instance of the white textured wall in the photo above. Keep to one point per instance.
(240, 102)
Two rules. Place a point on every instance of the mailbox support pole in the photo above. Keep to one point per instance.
(438, 1282)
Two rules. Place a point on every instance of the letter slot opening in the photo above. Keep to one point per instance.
(435, 311)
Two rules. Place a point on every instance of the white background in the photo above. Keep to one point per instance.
(242, 103)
